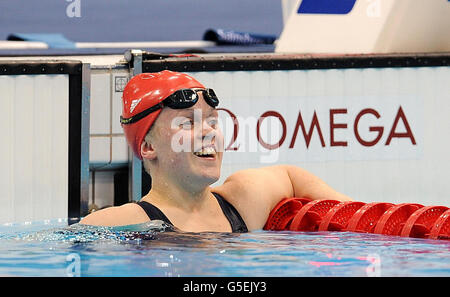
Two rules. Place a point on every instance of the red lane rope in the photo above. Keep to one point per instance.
(441, 228)
(405, 219)
(365, 219)
(282, 214)
(420, 223)
(337, 217)
(309, 217)
(393, 220)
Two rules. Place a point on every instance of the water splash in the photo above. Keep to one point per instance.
(80, 233)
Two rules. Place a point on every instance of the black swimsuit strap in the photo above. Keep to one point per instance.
(236, 221)
(153, 212)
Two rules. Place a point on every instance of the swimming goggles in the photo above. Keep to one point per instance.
(183, 98)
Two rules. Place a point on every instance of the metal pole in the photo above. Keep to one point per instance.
(85, 138)
(135, 165)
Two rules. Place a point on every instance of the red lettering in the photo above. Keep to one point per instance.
(336, 126)
(371, 129)
(315, 125)
(307, 136)
(407, 134)
(283, 123)
(235, 130)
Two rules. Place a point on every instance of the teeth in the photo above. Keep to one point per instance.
(205, 151)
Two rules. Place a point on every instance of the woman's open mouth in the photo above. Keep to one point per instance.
(206, 153)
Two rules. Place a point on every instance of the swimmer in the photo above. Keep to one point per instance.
(159, 114)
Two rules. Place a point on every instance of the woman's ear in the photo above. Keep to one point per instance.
(147, 150)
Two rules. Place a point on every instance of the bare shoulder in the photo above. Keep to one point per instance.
(265, 180)
(253, 192)
(126, 214)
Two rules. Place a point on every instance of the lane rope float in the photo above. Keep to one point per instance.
(393, 220)
(365, 219)
(337, 217)
(420, 223)
(282, 214)
(405, 219)
(441, 228)
(309, 216)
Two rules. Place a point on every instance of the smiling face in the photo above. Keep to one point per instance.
(186, 145)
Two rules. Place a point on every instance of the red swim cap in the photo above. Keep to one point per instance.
(144, 91)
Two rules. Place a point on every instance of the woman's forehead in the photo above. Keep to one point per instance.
(199, 110)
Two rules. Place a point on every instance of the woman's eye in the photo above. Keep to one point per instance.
(213, 123)
(187, 124)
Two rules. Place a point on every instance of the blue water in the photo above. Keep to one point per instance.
(52, 248)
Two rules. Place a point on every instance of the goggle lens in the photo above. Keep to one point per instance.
(181, 99)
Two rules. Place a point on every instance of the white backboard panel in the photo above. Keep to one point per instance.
(378, 134)
(365, 26)
(34, 147)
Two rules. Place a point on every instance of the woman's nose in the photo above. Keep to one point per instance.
(207, 130)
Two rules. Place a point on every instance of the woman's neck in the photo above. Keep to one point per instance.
(181, 196)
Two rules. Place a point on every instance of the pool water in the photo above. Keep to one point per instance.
(52, 248)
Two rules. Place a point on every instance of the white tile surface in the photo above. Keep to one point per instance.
(34, 166)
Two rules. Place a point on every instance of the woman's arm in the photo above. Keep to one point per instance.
(255, 192)
(305, 184)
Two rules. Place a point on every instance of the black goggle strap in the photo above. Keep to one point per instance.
(141, 115)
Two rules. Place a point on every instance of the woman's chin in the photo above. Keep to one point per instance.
(208, 177)
(207, 170)
(211, 178)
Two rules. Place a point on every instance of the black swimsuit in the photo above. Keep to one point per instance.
(236, 221)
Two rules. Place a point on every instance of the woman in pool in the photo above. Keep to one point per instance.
(170, 122)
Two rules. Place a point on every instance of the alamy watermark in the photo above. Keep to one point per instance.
(267, 129)
(73, 9)
(374, 268)
(373, 9)
(73, 269)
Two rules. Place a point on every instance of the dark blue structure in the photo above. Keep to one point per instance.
(138, 20)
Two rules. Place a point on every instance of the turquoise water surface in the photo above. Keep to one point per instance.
(52, 248)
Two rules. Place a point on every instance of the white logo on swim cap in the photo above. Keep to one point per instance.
(134, 103)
